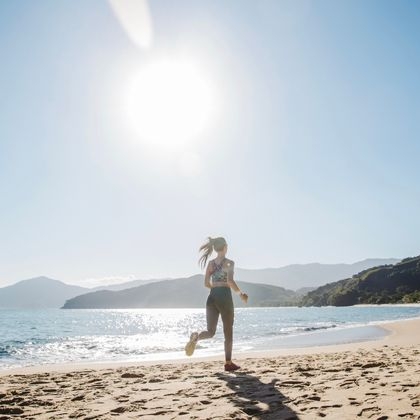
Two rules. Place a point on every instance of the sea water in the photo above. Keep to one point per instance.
(33, 337)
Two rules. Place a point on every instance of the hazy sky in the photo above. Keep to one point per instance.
(313, 155)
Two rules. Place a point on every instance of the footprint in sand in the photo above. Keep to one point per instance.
(132, 375)
(119, 410)
(11, 410)
(368, 409)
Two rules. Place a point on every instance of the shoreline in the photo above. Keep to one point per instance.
(401, 332)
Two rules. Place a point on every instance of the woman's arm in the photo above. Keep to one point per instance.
(207, 282)
(232, 283)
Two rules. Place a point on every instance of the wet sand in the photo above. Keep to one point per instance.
(377, 380)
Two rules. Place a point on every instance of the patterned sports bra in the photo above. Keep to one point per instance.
(219, 275)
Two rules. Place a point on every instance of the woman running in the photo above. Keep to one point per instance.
(219, 279)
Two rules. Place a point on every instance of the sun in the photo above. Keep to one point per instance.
(169, 102)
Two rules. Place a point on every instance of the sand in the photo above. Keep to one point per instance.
(377, 380)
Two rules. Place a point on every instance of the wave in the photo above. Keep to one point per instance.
(4, 352)
(307, 328)
(8, 348)
(327, 327)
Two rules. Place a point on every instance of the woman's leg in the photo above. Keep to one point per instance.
(212, 316)
(227, 318)
(225, 306)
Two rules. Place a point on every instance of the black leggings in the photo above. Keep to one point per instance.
(220, 302)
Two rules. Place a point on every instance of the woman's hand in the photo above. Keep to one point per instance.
(244, 297)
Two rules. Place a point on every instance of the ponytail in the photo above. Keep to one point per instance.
(206, 250)
(216, 244)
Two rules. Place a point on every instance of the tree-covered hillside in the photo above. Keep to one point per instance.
(398, 283)
(179, 293)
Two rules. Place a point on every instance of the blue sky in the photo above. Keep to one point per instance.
(313, 158)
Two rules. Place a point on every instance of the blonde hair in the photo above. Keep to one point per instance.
(216, 244)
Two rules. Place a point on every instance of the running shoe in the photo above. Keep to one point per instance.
(190, 347)
(230, 367)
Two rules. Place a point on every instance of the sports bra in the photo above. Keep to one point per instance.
(219, 275)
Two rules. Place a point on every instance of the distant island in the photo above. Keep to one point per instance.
(398, 283)
(178, 293)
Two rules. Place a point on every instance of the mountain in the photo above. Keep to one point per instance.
(126, 285)
(297, 276)
(178, 293)
(39, 292)
(304, 290)
(398, 283)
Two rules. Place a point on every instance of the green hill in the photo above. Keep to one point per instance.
(179, 293)
(398, 283)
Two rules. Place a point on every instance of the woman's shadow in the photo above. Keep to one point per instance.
(257, 399)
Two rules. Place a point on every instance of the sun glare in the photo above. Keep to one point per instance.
(169, 103)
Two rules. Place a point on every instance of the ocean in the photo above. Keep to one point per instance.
(34, 337)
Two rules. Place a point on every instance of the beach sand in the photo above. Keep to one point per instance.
(377, 380)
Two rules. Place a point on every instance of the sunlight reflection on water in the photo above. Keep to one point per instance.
(61, 336)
